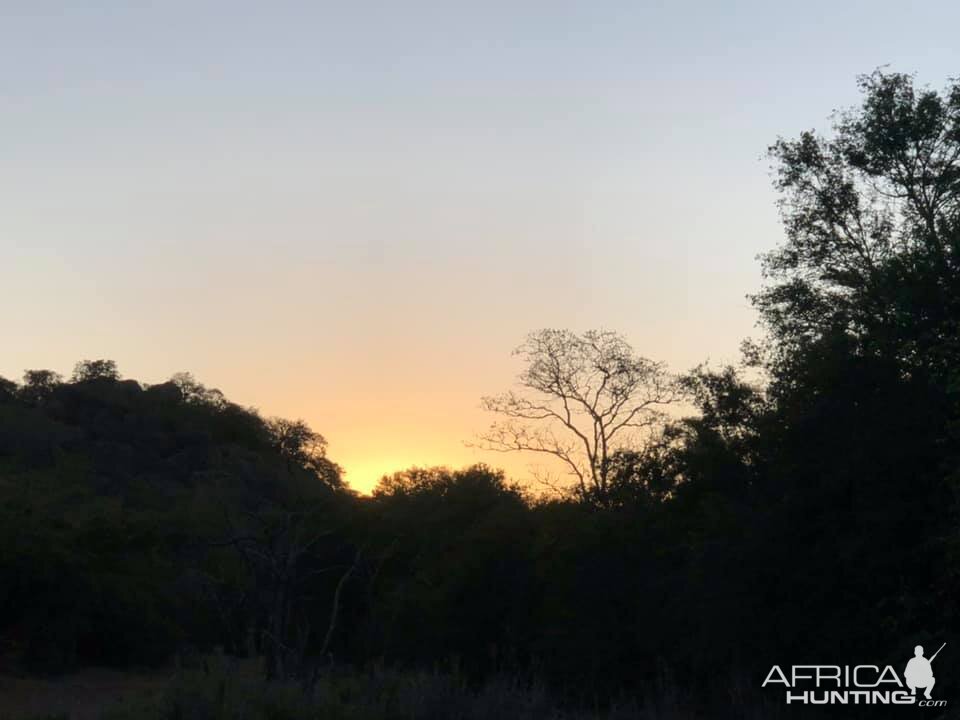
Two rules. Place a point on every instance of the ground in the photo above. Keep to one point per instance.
(80, 696)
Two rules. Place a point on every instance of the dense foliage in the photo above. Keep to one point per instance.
(115, 503)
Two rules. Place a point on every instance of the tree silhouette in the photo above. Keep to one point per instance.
(295, 440)
(872, 217)
(87, 370)
(39, 384)
(583, 398)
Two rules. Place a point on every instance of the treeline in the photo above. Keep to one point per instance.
(113, 497)
(806, 515)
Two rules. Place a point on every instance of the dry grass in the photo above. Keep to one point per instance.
(225, 688)
(82, 695)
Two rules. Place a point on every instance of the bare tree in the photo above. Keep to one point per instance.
(582, 398)
(279, 547)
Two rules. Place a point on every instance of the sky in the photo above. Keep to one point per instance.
(351, 213)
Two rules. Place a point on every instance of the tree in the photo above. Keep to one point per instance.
(39, 384)
(296, 441)
(8, 389)
(452, 574)
(872, 218)
(862, 304)
(285, 553)
(195, 393)
(582, 398)
(87, 370)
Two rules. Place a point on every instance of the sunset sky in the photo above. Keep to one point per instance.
(350, 213)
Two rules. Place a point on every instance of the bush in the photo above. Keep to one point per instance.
(228, 688)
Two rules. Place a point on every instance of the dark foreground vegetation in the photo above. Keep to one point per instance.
(232, 688)
(805, 511)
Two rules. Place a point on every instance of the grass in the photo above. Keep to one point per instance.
(231, 689)
(83, 695)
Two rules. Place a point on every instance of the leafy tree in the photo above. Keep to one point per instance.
(452, 572)
(8, 390)
(872, 217)
(194, 392)
(39, 384)
(88, 370)
(862, 305)
(295, 440)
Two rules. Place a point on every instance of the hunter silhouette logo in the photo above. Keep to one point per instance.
(859, 684)
(919, 672)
